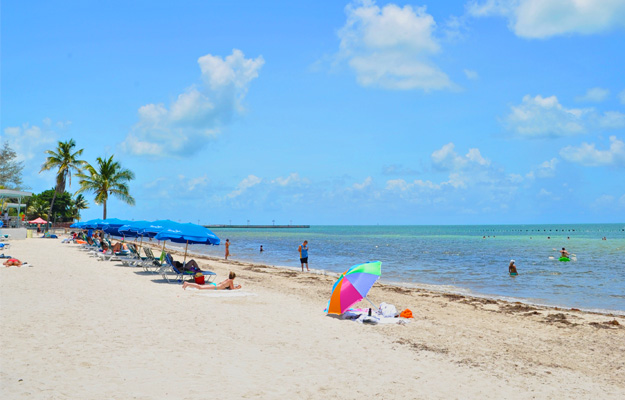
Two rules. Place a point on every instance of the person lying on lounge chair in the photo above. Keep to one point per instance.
(227, 284)
(190, 265)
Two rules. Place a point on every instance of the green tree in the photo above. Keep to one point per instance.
(62, 205)
(64, 160)
(108, 179)
(37, 208)
(79, 204)
(10, 169)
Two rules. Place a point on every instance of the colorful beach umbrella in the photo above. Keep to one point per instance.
(39, 220)
(353, 285)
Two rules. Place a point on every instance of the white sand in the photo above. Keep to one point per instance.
(77, 328)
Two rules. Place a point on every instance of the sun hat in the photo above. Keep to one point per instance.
(512, 261)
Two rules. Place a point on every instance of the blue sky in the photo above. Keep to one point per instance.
(329, 112)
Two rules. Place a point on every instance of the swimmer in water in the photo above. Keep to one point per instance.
(512, 268)
(564, 253)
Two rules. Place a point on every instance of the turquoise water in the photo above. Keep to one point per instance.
(459, 259)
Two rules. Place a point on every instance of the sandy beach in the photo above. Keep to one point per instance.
(77, 328)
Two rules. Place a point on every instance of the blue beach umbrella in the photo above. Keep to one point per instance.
(92, 223)
(132, 228)
(112, 225)
(188, 233)
(155, 227)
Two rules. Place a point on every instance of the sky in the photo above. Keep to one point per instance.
(328, 112)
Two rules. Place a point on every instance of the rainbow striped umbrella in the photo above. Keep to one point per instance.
(353, 285)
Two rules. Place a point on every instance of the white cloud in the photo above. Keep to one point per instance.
(546, 18)
(621, 96)
(594, 95)
(446, 158)
(545, 117)
(30, 142)
(587, 154)
(196, 115)
(360, 186)
(470, 74)
(292, 179)
(547, 169)
(248, 182)
(391, 47)
(612, 120)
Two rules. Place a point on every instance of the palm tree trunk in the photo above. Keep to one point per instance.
(104, 203)
(50, 213)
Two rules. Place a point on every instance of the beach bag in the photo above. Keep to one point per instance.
(199, 278)
(388, 310)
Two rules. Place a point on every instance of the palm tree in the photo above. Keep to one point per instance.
(79, 204)
(109, 178)
(38, 208)
(65, 161)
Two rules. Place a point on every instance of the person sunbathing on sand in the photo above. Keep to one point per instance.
(227, 284)
(12, 261)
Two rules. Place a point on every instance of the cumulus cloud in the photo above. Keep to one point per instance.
(587, 154)
(30, 141)
(292, 179)
(594, 95)
(197, 114)
(545, 117)
(446, 159)
(247, 183)
(365, 184)
(537, 19)
(391, 47)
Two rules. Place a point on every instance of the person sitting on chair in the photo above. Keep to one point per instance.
(227, 284)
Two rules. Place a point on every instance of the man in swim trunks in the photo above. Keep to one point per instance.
(303, 254)
(564, 253)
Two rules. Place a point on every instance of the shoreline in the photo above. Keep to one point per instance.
(432, 288)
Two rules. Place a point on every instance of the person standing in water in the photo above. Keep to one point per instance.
(303, 254)
(261, 248)
(512, 269)
(564, 253)
(227, 248)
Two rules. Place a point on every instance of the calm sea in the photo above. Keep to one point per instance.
(461, 259)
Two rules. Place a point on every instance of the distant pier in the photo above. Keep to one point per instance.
(256, 226)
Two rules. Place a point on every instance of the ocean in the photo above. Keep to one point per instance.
(470, 260)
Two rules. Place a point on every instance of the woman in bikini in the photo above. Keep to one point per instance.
(12, 262)
(227, 284)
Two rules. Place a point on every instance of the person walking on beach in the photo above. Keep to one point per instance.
(227, 248)
(303, 254)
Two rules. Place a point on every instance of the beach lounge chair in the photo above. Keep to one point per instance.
(179, 274)
(151, 264)
(133, 259)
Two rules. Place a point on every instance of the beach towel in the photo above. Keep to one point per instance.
(220, 293)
